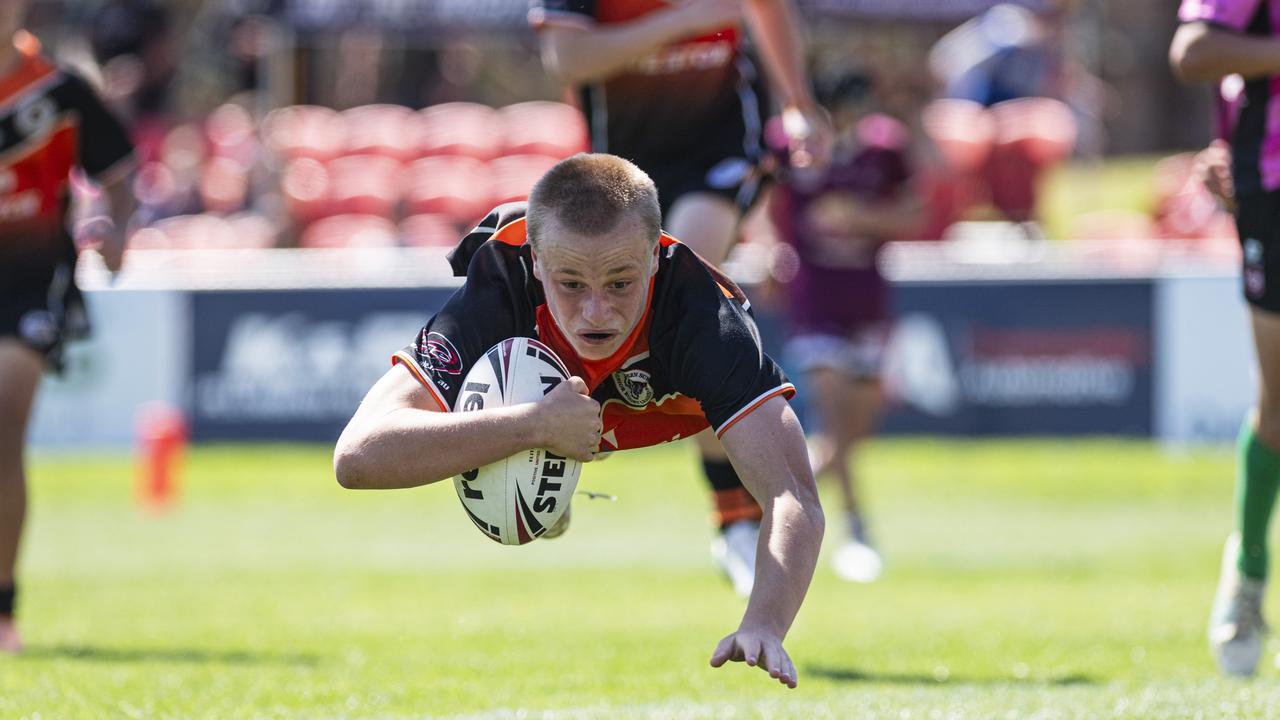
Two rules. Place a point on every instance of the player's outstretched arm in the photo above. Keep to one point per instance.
(1201, 52)
(777, 34)
(582, 54)
(768, 451)
(399, 437)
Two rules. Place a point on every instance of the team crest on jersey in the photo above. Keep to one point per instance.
(439, 355)
(634, 387)
(37, 116)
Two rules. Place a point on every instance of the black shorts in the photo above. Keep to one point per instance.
(732, 176)
(42, 308)
(1258, 223)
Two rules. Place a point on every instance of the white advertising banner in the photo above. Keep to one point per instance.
(1205, 375)
(138, 354)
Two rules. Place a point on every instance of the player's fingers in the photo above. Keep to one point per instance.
(578, 384)
(769, 660)
(723, 652)
(788, 669)
(750, 651)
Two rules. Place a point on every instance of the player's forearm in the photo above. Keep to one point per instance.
(775, 28)
(409, 447)
(790, 537)
(579, 56)
(1201, 53)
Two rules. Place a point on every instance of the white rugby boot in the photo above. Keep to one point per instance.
(734, 552)
(856, 560)
(1236, 627)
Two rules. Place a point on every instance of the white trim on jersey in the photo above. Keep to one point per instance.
(756, 402)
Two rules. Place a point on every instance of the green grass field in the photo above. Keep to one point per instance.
(1039, 580)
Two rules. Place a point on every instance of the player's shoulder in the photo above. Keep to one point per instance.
(686, 282)
(501, 232)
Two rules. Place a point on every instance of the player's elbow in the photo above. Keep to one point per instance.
(351, 466)
(1192, 56)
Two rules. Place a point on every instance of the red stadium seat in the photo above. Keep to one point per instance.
(306, 131)
(207, 232)
(305, 186)
(429, 230)
(1044, 128)
(390, 130)
(963, 132)
(224, 185)
(513, 176)
(229, 132)
(461, 128)
(544, 128)
(349, 231)
(456, 187)
(365, 184)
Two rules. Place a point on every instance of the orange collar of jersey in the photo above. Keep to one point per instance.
(593, 372)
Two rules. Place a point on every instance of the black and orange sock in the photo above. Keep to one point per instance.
(733, 503)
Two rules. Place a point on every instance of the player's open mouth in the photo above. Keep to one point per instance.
(596, 338)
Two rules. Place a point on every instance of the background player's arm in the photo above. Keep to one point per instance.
(117, 187)
(836, 212)
(768, 451)
(399, 437)
(1202, 52)
(776, 32)
(582, 54)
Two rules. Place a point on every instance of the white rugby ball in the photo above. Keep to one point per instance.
(515, 500)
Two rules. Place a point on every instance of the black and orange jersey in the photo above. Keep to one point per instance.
(694, 360)
(675, 101)
(50, 122)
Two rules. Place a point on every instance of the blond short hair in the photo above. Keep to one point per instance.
(590, 193)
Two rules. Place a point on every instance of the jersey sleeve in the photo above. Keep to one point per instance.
(1232, 14)
(487, 309)
(562, 13)
(713, 350)
(104, 143)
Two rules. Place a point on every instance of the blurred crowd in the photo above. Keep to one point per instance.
(248, 138)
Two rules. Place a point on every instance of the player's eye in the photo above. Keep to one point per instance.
(619, 284)
(571, 285)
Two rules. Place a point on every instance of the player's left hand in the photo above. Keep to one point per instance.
(809, 136)
(101, 234)
(758, 649)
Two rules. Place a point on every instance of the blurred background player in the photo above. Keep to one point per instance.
(834, 221)
(1234, 41)
(50, 123)
(673, 88)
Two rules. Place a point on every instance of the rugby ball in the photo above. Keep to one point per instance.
(515, 500)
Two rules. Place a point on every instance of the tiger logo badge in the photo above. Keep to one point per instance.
(634, 387)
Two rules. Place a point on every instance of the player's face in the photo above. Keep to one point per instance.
(596, 285)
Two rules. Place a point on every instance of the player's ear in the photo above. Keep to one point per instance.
(653, 264)
(537, 264)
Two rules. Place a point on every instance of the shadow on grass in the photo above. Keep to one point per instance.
(851, 675)
(90, 653)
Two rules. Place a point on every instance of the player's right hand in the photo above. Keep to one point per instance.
(709, 15)
(569, 420)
